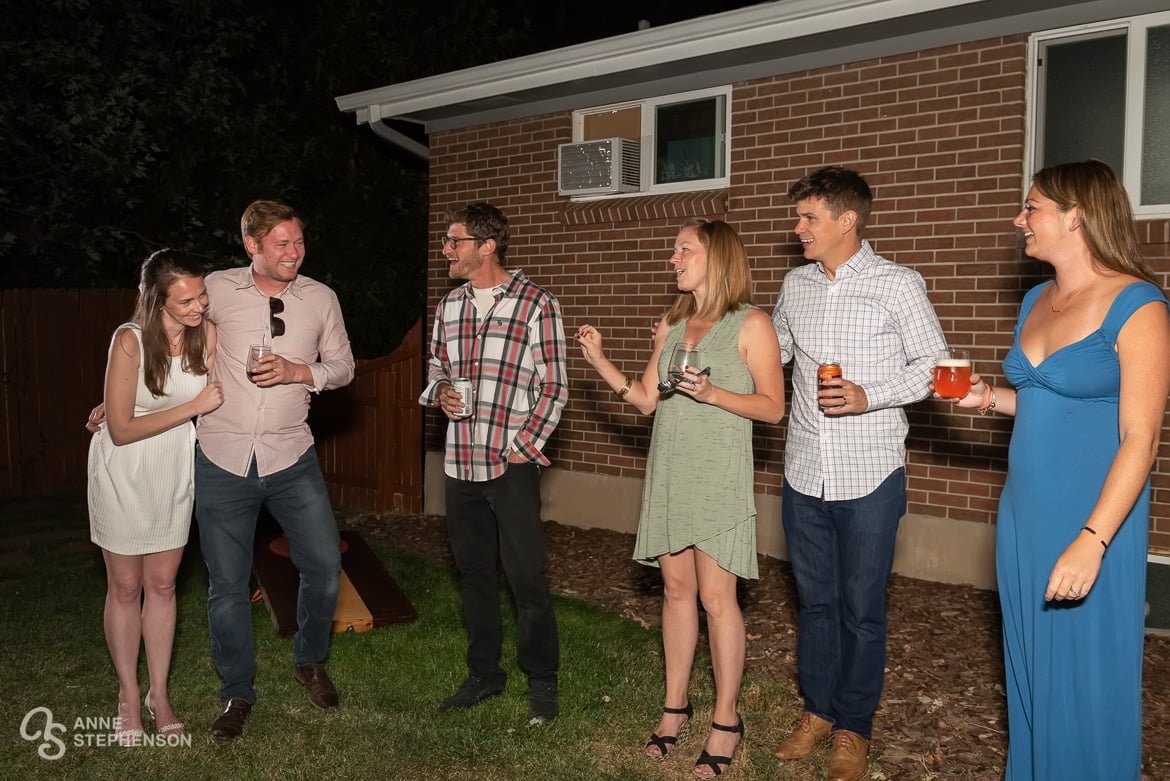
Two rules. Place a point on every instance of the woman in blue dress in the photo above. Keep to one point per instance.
(1090, 366)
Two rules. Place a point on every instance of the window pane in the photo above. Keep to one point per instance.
(620, 123)
(1084, 101)
(690, 141)
(1156, 122)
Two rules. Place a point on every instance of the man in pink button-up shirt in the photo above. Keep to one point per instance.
(257, 450)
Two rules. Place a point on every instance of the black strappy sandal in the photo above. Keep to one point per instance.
(715, 762)
(667, 743)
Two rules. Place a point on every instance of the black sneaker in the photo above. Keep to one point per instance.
(542, 702)
(471, 692)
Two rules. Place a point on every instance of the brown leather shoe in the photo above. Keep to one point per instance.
(322, 692)
(810, 731)
(230, 724)
(850, 757)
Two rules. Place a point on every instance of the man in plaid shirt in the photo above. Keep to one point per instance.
(506, 336)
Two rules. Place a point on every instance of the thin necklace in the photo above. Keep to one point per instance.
(1052, 298)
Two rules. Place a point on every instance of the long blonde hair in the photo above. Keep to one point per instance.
(159, 272)
(729, 278)
(1106, 217)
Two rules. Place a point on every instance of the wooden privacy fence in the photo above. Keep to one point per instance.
(369, 434)
(53, 346)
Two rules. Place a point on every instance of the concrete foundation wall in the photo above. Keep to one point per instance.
(930, 548)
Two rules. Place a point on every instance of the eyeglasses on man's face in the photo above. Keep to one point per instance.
(453, 241)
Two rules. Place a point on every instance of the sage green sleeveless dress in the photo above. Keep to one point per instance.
(699, 485)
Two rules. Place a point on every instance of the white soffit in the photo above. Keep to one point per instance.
(768, 38)
(751, 26)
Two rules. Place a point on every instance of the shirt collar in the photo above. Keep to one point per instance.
(863, 258)
(507, 289)
(242, 279)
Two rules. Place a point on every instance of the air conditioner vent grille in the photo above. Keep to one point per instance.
(611, 165)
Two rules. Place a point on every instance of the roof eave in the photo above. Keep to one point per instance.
(695, 38)
(773, 39)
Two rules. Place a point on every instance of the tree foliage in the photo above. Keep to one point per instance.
(130, 125)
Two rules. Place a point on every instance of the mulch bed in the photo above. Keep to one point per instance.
(942, 713)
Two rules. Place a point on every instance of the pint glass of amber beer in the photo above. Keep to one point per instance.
(952, 374)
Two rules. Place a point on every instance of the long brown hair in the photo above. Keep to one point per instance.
(729, 279)
(1106, 217)
(159, 272)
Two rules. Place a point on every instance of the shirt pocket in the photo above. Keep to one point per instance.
(867, 334)
(504, 341)
(298, 342)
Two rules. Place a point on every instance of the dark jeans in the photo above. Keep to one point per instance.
(226, 509)
(501, 517)
(842, 553)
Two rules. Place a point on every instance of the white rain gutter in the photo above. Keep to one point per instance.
(384, 131)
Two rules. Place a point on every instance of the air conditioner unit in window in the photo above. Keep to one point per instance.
(611, 165)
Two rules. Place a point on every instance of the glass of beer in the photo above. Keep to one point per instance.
(952, 374)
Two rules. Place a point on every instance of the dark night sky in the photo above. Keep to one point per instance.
(555, 25)
(569, 23)
(177, 111)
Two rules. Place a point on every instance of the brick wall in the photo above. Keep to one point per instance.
(940, 137)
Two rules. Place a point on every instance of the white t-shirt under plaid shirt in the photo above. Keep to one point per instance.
(875, 319)
(515, 358)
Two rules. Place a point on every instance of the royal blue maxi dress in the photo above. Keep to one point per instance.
(1073, 668)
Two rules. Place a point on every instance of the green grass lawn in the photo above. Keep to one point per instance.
(52, 586)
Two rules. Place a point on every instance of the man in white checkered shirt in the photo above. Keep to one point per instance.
(844, 460)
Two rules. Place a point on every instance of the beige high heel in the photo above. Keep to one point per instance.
(175, 728)
(126, 738)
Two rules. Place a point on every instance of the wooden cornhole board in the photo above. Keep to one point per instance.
(368, 597)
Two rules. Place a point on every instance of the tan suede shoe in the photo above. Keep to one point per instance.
(810, 731)
(850, 757)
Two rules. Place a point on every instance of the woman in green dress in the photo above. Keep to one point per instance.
(698, 517)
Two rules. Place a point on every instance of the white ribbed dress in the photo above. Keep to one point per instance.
(141, 494)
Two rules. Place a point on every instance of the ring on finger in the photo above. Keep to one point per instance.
(1074, 592)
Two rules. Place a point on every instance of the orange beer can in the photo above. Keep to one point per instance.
(830, 370)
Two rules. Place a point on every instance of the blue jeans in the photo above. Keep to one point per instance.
(842, 553)
(501, 517)
(226, 509)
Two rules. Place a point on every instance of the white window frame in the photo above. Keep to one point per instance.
(1135, 29)
(648, 162)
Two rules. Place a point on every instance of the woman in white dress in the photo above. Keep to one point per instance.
(141, 468)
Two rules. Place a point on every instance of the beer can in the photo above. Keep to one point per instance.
(462, 386)
(829, 370)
